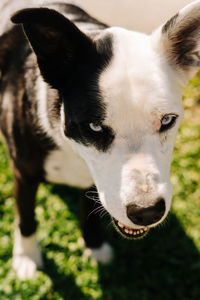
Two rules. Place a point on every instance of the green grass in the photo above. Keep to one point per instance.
(164, 265)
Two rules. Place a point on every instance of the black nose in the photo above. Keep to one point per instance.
(148, 215)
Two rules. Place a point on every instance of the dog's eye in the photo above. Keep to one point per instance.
(167, 122)
(95, 127)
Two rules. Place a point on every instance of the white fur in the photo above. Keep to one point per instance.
(63, 165)
(66, 166)
(42, 99)
(26, 255)
(103, 254)
(7, 101)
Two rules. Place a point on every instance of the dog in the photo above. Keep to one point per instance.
(86, 105)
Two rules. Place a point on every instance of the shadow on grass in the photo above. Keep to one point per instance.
(69, 195)
(164, 265)
(62, 284)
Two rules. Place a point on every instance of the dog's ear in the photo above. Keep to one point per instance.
(179, 40)
(59, 45)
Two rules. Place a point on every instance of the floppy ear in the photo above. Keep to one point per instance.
(180, 41)
(61, 48)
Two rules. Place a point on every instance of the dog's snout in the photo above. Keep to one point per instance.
(148, 215)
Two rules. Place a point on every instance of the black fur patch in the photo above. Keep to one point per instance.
(85, 105)
(72, 63)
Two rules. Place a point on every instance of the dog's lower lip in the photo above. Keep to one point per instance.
(129, 232)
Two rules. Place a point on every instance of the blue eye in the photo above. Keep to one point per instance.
(167, 122)
(95, 127)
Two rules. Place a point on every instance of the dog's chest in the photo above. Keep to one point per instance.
(65, 166)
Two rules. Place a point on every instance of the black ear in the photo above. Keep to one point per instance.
(59, 45)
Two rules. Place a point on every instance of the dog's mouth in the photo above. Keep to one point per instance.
(129, 232)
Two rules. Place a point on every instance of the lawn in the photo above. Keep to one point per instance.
(164, 265)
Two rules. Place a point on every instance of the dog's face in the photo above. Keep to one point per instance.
(120, 105)
(143, 111)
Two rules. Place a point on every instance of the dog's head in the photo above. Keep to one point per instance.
(120, 104)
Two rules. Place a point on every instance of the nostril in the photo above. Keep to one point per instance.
(138, 220)
(146, 215)
(160, 205)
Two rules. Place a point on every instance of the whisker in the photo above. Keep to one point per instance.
(100, 211)
(109, 227)
(90, 195)
(96, 210)
(92, 192)
(93, 198)
(103, 213)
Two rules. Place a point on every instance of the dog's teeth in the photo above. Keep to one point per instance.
(120, 225)
(130, 231)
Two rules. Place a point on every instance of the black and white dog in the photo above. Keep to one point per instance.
(84, 104)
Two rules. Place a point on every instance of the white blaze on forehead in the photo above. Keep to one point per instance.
(138, 82)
